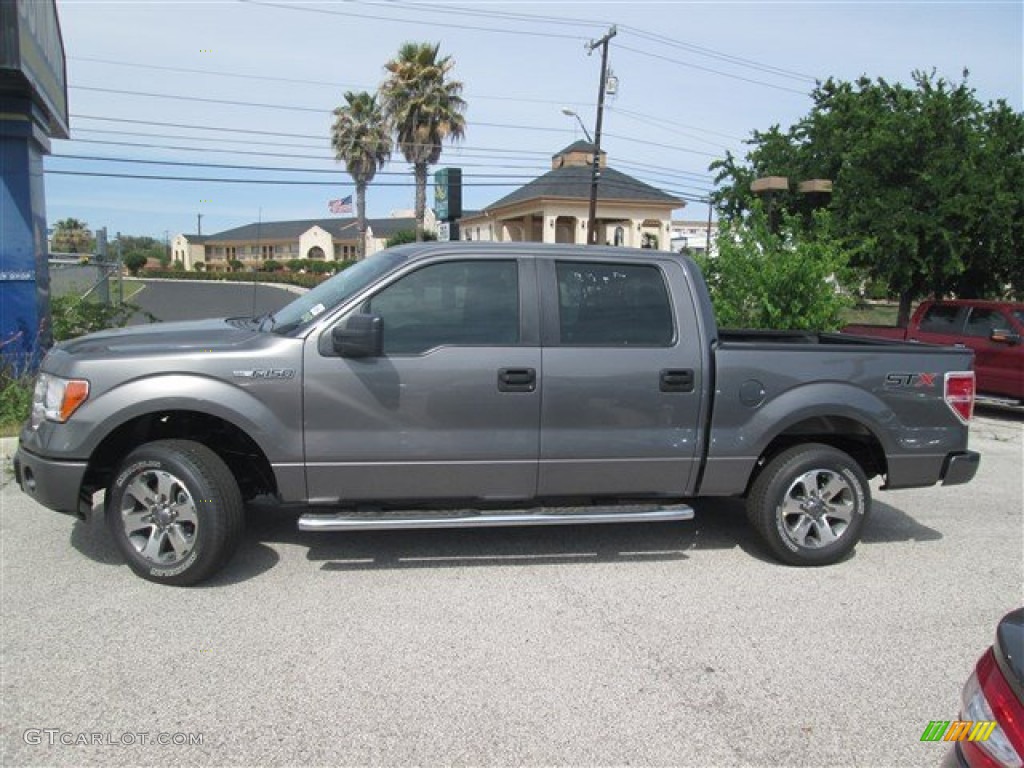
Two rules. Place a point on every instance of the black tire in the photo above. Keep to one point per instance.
(175, 512)
(810, 504)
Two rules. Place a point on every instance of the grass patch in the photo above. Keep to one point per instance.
(872, 314)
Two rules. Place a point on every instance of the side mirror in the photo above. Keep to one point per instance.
(1004, 336)
(359, 336)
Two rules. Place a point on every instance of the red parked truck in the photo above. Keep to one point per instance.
(994, 330)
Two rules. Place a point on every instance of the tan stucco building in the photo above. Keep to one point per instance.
(554, 208)
(321, 239)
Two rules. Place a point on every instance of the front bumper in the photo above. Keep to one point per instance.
(54, 484)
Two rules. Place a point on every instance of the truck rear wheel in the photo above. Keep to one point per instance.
(810, 504)
(175, 512)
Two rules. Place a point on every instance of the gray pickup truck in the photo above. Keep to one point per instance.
(480, 384)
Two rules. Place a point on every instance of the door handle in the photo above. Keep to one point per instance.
(677, 380)
(517, 380)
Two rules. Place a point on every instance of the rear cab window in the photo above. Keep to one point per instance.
(942, 318)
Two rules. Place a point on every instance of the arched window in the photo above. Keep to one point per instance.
(316, 252)
(620, 236)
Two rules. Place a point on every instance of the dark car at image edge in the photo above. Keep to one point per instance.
(995, 692)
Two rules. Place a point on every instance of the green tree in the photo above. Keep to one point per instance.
(403, 236)
(783, 277)
(361, 138)
(134, 261)
(926, 181)
(425, 108)
(71, 236)
(235, 265)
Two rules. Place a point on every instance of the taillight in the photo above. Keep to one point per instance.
(959, 394)
(987, 697)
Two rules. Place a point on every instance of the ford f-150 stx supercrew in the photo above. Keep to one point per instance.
(486, 384)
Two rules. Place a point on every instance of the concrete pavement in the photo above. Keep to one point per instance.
(671, 644)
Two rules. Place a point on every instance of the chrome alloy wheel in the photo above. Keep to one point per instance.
(159, 517)
(817, 509)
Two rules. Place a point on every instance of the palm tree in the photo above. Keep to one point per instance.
(71, 236)
(425, 108)
(361, 138)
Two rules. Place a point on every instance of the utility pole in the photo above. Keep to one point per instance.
(199, 224)
(595, 172)
(120, 271)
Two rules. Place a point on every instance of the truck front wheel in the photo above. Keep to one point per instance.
(810, 504)
(175, 511)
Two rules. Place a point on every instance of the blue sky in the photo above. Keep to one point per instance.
(695, 79)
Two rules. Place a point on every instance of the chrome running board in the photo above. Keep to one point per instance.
(405, 520)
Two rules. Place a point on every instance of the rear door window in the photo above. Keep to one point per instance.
(613, 305)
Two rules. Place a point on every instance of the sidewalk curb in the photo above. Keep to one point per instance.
(283, 286)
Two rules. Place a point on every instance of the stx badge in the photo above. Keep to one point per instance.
(916, 380)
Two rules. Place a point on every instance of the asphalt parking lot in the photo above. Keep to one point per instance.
(170, 300)
(668, 644)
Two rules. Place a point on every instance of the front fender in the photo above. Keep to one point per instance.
(273, 420)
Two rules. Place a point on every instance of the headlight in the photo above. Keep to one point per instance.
(56, 399)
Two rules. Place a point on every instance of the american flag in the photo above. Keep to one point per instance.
(344, 205)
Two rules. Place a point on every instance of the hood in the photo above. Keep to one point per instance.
(183, 337)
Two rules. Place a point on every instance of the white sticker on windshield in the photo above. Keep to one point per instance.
(314, 311)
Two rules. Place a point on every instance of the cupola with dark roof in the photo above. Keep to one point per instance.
(579, 153)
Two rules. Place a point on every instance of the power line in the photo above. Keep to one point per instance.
(719, 55)
(531, 167)
(575, 22)
(606, 184)
(445, 25)
(294, 108)
(658, 56)
(644, 170)
(332, 171)
(291, 80)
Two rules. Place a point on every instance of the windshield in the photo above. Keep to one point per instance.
(1019, 314)
(333, 292)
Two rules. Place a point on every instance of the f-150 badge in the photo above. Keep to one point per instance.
(265, 373)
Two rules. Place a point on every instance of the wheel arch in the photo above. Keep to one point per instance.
(843, 432)
(245, 458)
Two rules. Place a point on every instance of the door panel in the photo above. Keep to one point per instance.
(433, 418)
(622, 381)
(998, 365)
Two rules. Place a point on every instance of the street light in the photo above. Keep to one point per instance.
(569, 113)
(817, 192)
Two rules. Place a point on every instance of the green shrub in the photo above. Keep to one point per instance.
(15, 399)
(288, 278)
(74, 316)
(135, 261)
(777, 280)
